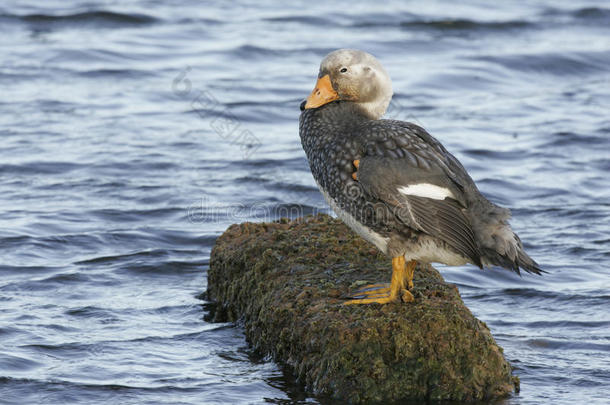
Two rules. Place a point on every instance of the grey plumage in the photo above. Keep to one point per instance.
(395, 154)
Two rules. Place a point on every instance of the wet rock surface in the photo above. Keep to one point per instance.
(287, 281)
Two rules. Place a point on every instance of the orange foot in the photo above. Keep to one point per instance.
(402, 279)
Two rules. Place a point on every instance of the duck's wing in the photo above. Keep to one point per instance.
(423, 184)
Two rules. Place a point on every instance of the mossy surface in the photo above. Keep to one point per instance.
(287, 282)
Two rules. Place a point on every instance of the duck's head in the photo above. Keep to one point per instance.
(355, 76)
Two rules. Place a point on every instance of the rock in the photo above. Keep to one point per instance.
(287, 281)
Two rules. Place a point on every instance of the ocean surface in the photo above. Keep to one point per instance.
(132, 133)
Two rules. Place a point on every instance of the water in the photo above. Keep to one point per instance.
(133, 133)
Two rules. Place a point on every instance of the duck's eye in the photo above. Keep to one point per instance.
(343, 70)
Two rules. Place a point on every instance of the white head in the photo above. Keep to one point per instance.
(353, 75)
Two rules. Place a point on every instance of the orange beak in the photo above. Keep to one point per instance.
(322, 94)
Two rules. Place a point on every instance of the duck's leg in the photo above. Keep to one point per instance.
(397, 290)
(409, 273)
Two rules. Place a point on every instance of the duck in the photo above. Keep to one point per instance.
(396, 185)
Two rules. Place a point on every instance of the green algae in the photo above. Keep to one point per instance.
(287, 281)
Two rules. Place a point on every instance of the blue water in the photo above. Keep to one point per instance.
(133, 133)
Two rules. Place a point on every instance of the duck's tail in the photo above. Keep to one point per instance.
(521, 261)
(498, 244)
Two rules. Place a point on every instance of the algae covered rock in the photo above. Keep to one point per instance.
(287, 281)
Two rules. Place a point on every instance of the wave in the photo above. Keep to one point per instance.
(467, 25)
(39, 168)
(584, 13)
(403, 19)
(100, 18)
(592, 13)
(558, 64)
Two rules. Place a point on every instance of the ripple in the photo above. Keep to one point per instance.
(149, 254)
(40, 168)
(467, 25)
(556, 64)
(301, 19)
(123, 216)
(552, 344)
(90, 19)
(116, 73)
(587, 14)
(17, 363)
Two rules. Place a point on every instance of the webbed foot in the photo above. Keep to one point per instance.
(371, 291)
(402, 277)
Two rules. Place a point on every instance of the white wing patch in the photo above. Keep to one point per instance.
(426, 190)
